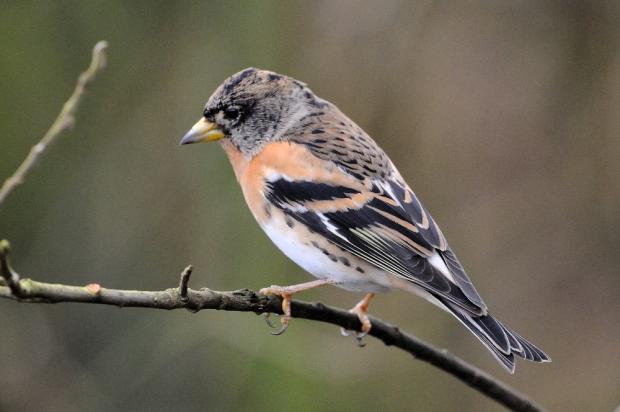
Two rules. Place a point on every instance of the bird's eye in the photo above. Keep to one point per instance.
(231, 113)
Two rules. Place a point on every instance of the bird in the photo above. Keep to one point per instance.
(334, 203)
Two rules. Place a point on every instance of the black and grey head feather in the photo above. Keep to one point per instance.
(254, 107)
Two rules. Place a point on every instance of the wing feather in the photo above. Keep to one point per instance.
(389, 229)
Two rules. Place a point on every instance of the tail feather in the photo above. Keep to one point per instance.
(535, 354)
(501, 341)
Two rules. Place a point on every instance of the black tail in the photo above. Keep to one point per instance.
(501, 341)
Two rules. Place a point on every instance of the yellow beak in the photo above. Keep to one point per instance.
(202, 131)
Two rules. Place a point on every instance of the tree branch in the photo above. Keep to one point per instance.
(64, 121)
(245, 300)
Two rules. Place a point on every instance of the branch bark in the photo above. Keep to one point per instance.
(245, 300)
(64, 121)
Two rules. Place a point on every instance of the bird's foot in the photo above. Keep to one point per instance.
(286, 293)
(361, 310)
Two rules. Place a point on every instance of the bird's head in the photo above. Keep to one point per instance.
(251, 108)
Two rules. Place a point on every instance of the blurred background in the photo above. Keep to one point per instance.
(503, 116)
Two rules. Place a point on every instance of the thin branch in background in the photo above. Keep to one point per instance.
(245, 300)
(64, 121)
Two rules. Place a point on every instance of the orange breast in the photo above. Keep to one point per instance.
(281, 158)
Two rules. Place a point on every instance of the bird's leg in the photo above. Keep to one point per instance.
(286, 293)
(361, 310)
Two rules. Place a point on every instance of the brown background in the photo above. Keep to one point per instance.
(504, 116)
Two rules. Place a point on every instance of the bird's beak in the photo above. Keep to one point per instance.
(202, 131)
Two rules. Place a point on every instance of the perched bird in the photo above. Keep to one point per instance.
(331, 199)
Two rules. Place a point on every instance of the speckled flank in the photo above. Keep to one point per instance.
(332, 257)
(323, 259)
(289, 222)
(267, 210)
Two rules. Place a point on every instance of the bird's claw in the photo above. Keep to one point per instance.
(359, 336)
(282, 329)
(267, 317)
(360, 310)
(285, 294)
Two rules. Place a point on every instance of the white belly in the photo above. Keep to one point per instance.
(323, 260)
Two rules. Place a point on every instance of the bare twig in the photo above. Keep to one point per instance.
(64, 121)
(245, 300)
(7, 274)
(184, 283)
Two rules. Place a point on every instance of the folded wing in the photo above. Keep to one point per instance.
(383, 223)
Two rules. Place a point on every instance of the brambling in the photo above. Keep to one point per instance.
(331, 199)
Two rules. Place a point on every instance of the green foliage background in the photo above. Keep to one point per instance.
(503, 116)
